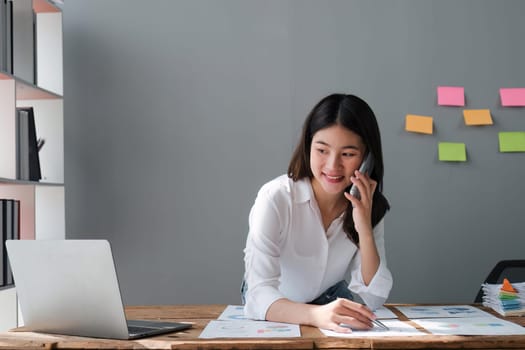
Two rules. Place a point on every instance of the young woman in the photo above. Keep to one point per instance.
(306, 230)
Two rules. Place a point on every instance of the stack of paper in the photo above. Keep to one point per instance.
(506, 299)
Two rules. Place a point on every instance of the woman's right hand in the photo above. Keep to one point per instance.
(342, 311)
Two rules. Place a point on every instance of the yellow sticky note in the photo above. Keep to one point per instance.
(452, 152)
(418, 123)
(477, 117)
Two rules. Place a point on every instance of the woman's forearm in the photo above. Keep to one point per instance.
(369, 258)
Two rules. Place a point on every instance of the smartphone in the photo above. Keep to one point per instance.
(366, 167)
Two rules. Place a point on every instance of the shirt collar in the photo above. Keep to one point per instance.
(303, 190)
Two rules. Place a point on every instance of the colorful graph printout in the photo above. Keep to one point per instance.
(477, 117)
(513, 141)
(249, 329)
(233, 313)
(384, 313)
(489, 325)
(452, 152)
(418, 123)
(236, 312)
(442, 311)
(396, 329)
(512, 97)
(451, 95)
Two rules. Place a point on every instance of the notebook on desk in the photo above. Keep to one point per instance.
(71, 287)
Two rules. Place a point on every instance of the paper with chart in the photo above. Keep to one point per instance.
(233, 313)
(436, 311)
(232, 323)
(249, 329)
(236, 312)
(384, 313)
(489, 325)
(396, 327)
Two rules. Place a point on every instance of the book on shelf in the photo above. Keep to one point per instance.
(14, 233)
(3, 252)
(10, 228)
(6, 36)
(23, 43)
(27, 158)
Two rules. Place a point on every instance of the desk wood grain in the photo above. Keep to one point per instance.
(200, 315)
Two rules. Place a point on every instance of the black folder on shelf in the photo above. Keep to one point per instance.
(28, 161)
(14, 233)
(3, 253)
(10, 229)
(6, 36)
(23, 44)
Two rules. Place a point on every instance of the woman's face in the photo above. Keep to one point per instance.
(335, 154)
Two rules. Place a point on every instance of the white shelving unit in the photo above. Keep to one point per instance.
(42, 209)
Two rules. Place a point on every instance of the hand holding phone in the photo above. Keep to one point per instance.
(366, 167)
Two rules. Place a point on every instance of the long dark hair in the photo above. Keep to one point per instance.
(356, 115)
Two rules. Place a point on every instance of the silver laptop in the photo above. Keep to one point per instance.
(71, 287)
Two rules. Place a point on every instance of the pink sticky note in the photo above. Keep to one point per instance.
(512, 96)
(451, 95)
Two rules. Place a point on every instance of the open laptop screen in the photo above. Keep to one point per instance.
(70, 287)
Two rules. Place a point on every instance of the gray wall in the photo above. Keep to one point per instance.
(176, 112)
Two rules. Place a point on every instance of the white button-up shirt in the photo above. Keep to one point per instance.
(289, 255)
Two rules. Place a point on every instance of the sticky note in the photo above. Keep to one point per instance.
(512, 97)
(507, 287)
(451, 95)
(477, 117)
(418, 123)
(512, 141)
(452, 152)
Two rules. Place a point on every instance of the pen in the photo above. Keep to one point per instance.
(380, 324)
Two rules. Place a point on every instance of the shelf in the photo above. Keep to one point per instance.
(37, 47)
(48, 108)
(6, 288)
(28, 91)
(43, 6)
(49, 122)
(42, 209)
(37, 82)
(31, 183)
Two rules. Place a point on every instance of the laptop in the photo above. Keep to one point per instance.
(71, 287)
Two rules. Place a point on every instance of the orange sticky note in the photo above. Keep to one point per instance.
(418, 123)
(507, 287)
(477, 117)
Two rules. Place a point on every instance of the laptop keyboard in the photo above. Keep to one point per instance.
(134, 330)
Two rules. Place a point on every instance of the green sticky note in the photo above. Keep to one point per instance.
(452, 152)
(513, 141)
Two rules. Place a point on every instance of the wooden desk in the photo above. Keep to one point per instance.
(199, 315)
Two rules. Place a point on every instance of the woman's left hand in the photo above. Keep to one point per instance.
(362, 212)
